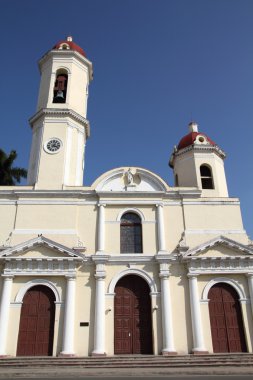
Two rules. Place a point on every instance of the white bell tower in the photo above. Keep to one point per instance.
(60, 128)
(198, 162)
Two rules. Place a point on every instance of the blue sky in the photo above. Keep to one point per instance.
(157, 65)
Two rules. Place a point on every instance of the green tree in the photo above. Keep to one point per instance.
(9, 175)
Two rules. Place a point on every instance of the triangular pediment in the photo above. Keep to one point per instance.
(41, 247)
(220, 247)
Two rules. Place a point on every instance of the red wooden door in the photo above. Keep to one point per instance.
(226, 319)
(36, 328)
(132, 318)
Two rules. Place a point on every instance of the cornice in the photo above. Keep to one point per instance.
(201, 148)
(17, 192)
(133, 258)
(220, 265)
(61, 113)
(41, 241)
(220, 240)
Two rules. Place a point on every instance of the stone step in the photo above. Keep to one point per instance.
(130, 361)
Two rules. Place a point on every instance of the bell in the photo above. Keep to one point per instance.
(59, 98)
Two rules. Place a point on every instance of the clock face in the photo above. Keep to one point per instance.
(53, 145)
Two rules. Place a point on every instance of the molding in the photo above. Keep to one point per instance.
(133, 210)
(226, 280)
(220, 240)
(220, 265)
(130, 258)
(214, 202)
(54, 266)
(67, 156)
(43, 231)
(61, 113)
(118, 222)
(55, 202)
(202, 148)
(30, 284)
(138, 272)
(215, 232)
(18, 191)
(150, 182)
(38, 241)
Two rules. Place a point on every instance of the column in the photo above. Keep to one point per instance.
(168, 337)
(99, 323)
(69, 318)
(197, 331)
(160, 228)
(250, 285)
(101, 227)
(4, 313)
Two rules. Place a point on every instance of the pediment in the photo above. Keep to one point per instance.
(40, 248)
(220, 247)
(129, 179)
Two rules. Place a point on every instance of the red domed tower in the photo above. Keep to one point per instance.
(197, 161)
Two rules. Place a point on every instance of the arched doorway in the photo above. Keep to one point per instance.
(226, 319)
(132, 316)
(36, 327)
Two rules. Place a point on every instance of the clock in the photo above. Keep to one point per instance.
(53, 145)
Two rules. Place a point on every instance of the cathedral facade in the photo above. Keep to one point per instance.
(128, 265)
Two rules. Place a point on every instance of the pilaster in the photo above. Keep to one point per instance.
(197, 330)
(69, 318)
(4, 312)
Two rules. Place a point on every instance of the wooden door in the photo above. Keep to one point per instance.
(36, 328)
(132, 318)
(226, 319)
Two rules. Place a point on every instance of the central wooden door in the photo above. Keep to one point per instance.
(36, 328)
(132, 318)
(226, 319)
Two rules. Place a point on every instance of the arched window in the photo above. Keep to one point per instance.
(206, 177)
(60, 87)
(130, 233)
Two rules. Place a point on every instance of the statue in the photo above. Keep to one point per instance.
(130, 177)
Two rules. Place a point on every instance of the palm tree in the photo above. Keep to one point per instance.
(10, 176)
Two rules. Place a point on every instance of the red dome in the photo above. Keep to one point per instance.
(190, 138)
(69, 44)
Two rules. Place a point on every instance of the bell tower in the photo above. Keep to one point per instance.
(197, 161)
(60, 128)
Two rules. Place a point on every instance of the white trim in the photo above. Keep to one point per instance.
(67, 162)
(118, 222)
(79, 160)
(54, 72)
(131, 258)
(21, 293)
(35, 154)
(213, 203)
(138, 272)
(215, 232)
(134, 210)
(155, 182)
(40, 241)
(44, 232)
(226, 280)
(52, 202)
(219, 240)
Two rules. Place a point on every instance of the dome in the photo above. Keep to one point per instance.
(189, 139)
(68, 44)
